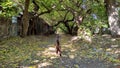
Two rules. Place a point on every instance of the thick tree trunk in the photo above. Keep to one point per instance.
(113, 17)
(25, 19)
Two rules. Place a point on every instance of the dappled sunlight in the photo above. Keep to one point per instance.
(72, 56)
(117, 51)
(114, 49)
(67, 45)
(87, 38)
(114, 46)
(44, 64)
(35, 61)
(113, 40)
(50, 51)
(73, 50)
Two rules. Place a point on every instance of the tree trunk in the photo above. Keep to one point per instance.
(113, 17)
(25, 19)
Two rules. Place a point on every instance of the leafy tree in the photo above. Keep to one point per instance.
(97, 19)
(68, 15)
(72, 14)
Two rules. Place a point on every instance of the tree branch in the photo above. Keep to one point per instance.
(19, 4)
(36, 7)
(45, 6)
(65, 16)
(62, 21)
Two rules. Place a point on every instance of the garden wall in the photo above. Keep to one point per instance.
(4, 27)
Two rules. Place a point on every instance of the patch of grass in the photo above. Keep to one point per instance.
(18, 51)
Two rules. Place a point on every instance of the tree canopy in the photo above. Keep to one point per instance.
(67, 15)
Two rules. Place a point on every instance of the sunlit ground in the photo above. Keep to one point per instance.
(39, 52)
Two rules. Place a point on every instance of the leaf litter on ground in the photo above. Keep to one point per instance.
(39, 51)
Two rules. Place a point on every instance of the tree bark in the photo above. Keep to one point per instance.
(113, 17)
(25, 19)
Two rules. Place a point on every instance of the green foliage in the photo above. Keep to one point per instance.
(62, 29)
(9, 8)
(97, 19)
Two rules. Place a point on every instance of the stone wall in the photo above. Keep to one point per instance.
(4, 27)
